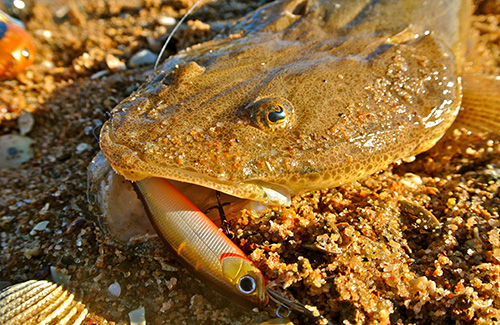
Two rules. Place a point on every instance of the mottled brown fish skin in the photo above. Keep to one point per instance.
(312, 95)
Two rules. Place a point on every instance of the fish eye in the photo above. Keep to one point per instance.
(247, 284)
(273, 114)
(25, 53)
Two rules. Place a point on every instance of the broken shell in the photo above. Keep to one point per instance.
(40, 302)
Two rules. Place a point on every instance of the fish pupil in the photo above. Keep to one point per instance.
(276, 116)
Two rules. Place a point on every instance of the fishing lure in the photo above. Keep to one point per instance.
(202, 248)
(17, 50)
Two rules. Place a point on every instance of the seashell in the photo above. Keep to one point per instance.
(40, 302)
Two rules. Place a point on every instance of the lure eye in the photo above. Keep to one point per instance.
(273, 114)
(25, 53)
(247, 284)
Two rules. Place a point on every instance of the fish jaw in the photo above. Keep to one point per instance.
(133, 168)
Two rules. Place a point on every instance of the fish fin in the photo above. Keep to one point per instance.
(275, 16)
(480, 110)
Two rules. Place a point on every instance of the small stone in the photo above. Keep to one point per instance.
(166, 21)
(82, 147)
(115, 289)
(45, 210)
(15, 150)
(411, 181)
(143, 57)
(32, 252)
(114, 64)
(137, 316)
(166, 306)
(25, 123)
(197, 302)
(39, 227)
(47, 64)
(99, 74)
(61, 12)
(59, 277)
(43, 33)
(197, 25)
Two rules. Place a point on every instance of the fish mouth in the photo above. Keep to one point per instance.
(252, 189)
(121, 215)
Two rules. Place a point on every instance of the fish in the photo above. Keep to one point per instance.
(304, 95)
(309, 95)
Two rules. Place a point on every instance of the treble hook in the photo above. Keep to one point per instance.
(280, 305)
(291, 305)
(224, 223)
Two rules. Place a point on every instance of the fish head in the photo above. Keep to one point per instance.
(267, 115)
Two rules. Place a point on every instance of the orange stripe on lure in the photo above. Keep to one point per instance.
(202, 248)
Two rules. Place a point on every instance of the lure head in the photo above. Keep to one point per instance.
(246, 280)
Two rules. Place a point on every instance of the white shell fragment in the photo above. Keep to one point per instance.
(137, 316)
(40, 302)
(121, 214)
(42, 225)
(59, 277)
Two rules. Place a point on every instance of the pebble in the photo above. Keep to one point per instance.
(43, 33)
(59, 277)
(32, 251)
(25, 123)
(61, 12)
(411, 181)
(114, 64)
(39, 227)
(143, 57)
(166, 21)
(115, 289)
(15, 150)
(45, 209)
(48, 64)
(137, 316)
(82, 147)
(99, 74)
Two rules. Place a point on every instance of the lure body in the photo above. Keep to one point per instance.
(204, 250)
(17, 50)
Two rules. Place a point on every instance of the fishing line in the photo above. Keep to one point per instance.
(173, 32)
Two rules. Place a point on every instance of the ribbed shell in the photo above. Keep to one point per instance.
(40, 302)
